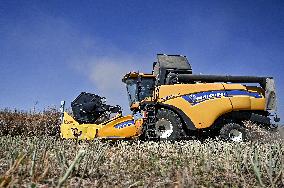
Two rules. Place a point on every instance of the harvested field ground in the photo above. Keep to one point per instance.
(34, 159)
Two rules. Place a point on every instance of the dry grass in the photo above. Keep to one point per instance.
(13, 122)
(47, 161)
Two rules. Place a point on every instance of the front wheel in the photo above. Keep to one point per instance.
(233, 132)
(168, 125)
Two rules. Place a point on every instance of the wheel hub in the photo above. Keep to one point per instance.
(164, 128)
(236, 135)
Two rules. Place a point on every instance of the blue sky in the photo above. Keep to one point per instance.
(53, 50)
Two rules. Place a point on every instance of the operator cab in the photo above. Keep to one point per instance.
(139, 86)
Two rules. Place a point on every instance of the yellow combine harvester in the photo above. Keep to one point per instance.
(174, 104)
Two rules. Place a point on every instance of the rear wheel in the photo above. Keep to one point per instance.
(168, 125)
(233, 132)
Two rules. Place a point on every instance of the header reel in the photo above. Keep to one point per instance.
(90, 108)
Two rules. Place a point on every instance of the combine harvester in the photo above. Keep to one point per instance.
(174, 104)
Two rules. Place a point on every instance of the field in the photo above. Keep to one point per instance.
(32, 155)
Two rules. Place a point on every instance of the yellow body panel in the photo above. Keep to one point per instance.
(244, 102)
(202, 115)
(231, 97)
(258, 104)
(117, 127)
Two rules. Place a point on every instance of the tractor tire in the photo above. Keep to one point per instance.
(169, 126)
(233, 132)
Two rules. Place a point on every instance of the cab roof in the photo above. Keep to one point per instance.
(136, 75)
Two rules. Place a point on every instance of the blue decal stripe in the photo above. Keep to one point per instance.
(187, 98)
(196, 98)
(124, 124)
(242, 92)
